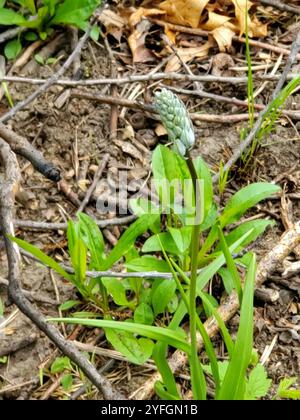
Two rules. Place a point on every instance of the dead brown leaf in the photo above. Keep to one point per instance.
(187, 54)
(184, 12)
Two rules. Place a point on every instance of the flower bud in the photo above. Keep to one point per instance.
(176, 120)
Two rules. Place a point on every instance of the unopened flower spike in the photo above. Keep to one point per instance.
(176, 120)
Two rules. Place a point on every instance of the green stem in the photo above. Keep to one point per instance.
(195, 364)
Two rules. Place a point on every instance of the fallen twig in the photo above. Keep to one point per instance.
(31, 225)
(7, 195)
(266, 266)
(150, 77)
(23, 148)
(96, 179)
(281, 6)
(112, 100)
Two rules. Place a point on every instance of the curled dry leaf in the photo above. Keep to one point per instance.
(221, 64)
(187, 54)
(184, 12)
(139, 30)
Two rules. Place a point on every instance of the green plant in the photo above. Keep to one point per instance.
(188, 245)
(39, 18)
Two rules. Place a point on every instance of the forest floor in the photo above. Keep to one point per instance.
(76, 136)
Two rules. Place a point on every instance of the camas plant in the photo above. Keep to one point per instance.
(190, 244)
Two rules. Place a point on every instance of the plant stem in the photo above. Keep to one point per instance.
(195, 364)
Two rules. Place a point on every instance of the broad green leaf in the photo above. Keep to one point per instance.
(137, 351)
(75, 12)
(12, 49)
(176, 339)
(143, 314)
(246, 198)
(258, 383)
(222, 369)
(257, 227)
(117, 290)
(162, 295)
(128, 239)
(234, 383)
(78, 258)
(181, 237)
(153, 244)
(141, 206)
(9, 17)
(147, 263)
(43, 258)
(93, 239)
(165, 174)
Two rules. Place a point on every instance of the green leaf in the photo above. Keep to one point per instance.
(258, 383)
(39, 59)
(12, 49)
(67, 381)
(141, 206)
(246, 198)
(284, 391)
(9, 17)
(176, 339)
(128, 238)
(31, 36)
(163, 394)
(60, 364)
(43, 258)
(182, 238)
(162, 295)
(257, 227)
(153, 244)
(117, 290)
(204, 173)
(69, 304)
(78, 258)
(143, 314)
(137, 351)
(1, 308)
(160, 358)
(222, 366)
(234, 383)
(75, 12)
(93, 239)
(227, 279)
(213, 302)
(165, 174)
(147, 263)
(95, 33)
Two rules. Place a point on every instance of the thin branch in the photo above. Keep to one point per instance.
(31, 225)
(23, 148)
(112, 100)
(150, 77)
(96, 179)
(281, 6)
(8, 189)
